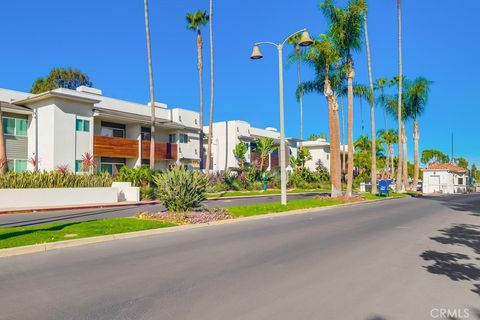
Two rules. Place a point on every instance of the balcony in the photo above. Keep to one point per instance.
(163, 151)
(115, 147)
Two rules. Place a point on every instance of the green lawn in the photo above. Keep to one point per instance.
(259, 193)
(264, 208)
(22, 236)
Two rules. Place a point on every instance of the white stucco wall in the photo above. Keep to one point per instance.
(443, 181)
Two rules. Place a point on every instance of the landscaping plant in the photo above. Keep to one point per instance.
(181, 190)
(53, 179)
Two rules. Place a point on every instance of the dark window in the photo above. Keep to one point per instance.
(146, 134)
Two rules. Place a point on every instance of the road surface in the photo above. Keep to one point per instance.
(398, 259)
(36, 218)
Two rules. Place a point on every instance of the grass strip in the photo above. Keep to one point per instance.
(264, 208)
(22, 236)
(369, 196)
(262, 193)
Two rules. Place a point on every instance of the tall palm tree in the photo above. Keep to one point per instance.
(152, 92)
(372, 107)
(323, 56)
(195, 21)
(389, 138)
(399, 185)
(380, 84)
(3, 147)
(346, 29)
(416, 102)
(212, 87)
(295, 40)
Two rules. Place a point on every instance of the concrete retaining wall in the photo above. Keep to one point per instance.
(36, 198)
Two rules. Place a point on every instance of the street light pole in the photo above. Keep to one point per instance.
(256, 54)
(283, 172)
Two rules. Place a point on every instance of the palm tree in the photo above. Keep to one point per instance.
(212, 87)
(152, 93)
(3, 147)
(346, 29)
(372, 108)
(323, 56)
(295, 40)
(380, 84)
(265, 146)
(195, 22)
(399, 185)
(389, 138)
(416, 101)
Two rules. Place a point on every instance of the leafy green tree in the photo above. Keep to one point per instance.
(303, 156)
(346, 30)
(195, 21)
(61, 78)
(265, 146)
(389, 138)
(462, 162)
(239, 153)
(433, 155)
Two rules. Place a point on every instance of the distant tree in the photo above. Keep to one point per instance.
(239, 153)
(473, 171)
(432, 155)
(322, 171)
(462, 162)
(265, 146)
(61, 78)
(314, 136)
(302, 157)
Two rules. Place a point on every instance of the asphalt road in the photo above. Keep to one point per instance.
(399, 259)
(36, 218)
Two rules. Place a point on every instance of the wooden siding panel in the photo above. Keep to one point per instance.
(115, 147)
(163, 151)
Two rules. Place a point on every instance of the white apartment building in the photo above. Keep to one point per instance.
(58, 127)
(320, 151)
(227, 134)
(444, 178)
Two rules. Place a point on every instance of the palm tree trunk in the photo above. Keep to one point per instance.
(372, 110)
(416, 137)
(344, 155)
(405, 159)
(300, 98)
(350, 76)
(384, 110)
(200, 80)
(152, 93)
(334, 127)
(392, 162)
(3, 147)
(212, 87)
(399, 185)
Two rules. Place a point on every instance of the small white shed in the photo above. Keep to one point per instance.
(444, 178)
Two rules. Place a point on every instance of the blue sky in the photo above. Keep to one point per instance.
(106, 40)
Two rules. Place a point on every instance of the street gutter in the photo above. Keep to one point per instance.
(44, 247)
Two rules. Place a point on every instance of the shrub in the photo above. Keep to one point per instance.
(139, 177)
(53, 179)
(180, 189)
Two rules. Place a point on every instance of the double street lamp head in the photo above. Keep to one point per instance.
(305, 41)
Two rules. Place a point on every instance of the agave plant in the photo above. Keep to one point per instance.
(181, 190)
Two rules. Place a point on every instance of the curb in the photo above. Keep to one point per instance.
(49, 246)
(93, 206)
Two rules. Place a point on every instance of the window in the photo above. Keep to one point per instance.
(183, 138)
(172, 138)
(79, 166)
(112, 130)
(146, 134)
(17, 165)
(82, 125)
(15, 127)
(460, 180)
(111, 165)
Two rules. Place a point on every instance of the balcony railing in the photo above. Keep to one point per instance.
(163, 151)
(115, 147)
